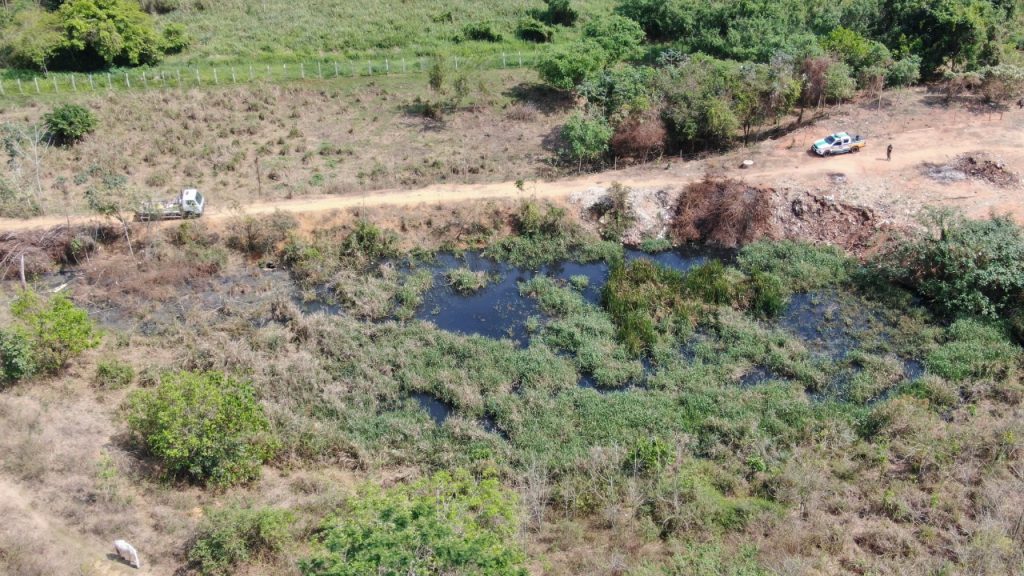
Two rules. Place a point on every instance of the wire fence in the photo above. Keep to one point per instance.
(186, 77)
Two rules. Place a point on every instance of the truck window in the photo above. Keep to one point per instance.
(199, 198)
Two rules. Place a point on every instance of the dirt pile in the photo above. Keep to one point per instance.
(975, 166)
(728, 213)
(816, 218)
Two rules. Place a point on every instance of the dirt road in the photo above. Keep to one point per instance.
(897, 186)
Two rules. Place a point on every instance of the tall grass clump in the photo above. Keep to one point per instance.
(800, 267)
(645, 300)
(542, 234)
(231, 537)
(974, 349)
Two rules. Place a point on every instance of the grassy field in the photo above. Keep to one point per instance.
(235, 30)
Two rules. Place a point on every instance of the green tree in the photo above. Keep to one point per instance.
(174, 39)
(839, 82)
(32, 39)
(566, 66)
(17, 360)
(620, 37)
(56, 328)
(586, 137)
(905, 71)
(445, 524)
(208, 427)
(69, 123)
(107, 33)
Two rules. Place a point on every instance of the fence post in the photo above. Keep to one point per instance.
(403, 65)
(302, 69)
(110, 82)
(92, 86)
(36, 80)
(503, 61)
(387, 66)
(145, 81)
(456, 62)
(336, 72)
(198, 81)
(268, 72)
(20, 88)
(55, 87)
(319, 70)
(369, 66)
(127, 81)
(2, 93)
(252, 74)
(234, 80)
(520, 59)
(215, 79)
(74, 85)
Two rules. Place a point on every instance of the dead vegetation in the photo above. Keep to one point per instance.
(728, 213)
(975, 166)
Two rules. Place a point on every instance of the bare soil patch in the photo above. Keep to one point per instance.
(973, 165)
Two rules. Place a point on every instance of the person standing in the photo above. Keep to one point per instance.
(888, 153)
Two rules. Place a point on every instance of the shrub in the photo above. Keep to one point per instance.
(113, 374)
(174, 39)
(260, 235)
(533, 30)
(960, 266)
(711, 283)
(445, 524)
(368, 243)
(466, 281)
(586, 138)
(70, 123)
(620, 37)
(649, 456)
(234, 535)
(565, 66)
(16, 357)
(801, 267)
(616, 214)
(57, 329)
(482, 31)
(222, 444)
(560, 12)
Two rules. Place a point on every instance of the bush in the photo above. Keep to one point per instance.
(586, 138)
(260, 235)
(113, 374)
(70, 123)
(224, 443)
(801, 267)
(566, 66)
(560, 12)
(620, 37)
(961, 266)
(649, 456)
(466, 281)
(174, 39)
(481, 31)
(367, 243)
(56, 329)
(85, 35)
(234, 535)
(446, 524)
(16, 357)
(533, 30)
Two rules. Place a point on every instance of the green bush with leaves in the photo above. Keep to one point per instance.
(208, 427)
(445, 524)
(56, 329)
(586, 138)
(533, 30)
(565, 66)
(174, 39)
(960, 266)
(232, 536)
(17, 361)
(114, 374)
(620, 37)
(69, 123)
(974, 349)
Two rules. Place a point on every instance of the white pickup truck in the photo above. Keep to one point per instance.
(189, 204)
(838, 143)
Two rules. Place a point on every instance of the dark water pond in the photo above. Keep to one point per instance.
(438, 411)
